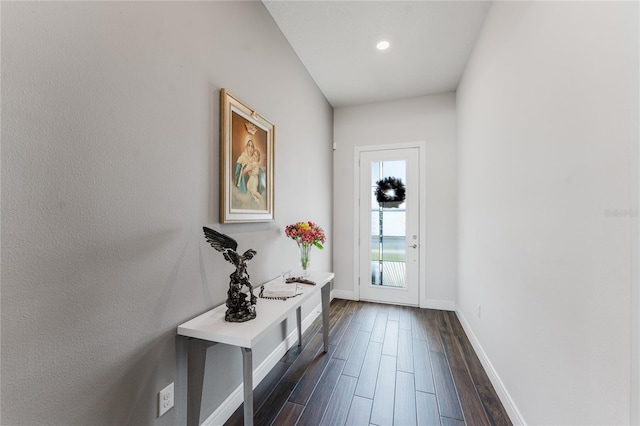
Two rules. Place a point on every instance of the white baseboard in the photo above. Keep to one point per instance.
(443, 305)
(343, 294)
(235, 399)
(501, 390)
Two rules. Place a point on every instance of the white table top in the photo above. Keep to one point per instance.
(211, 325)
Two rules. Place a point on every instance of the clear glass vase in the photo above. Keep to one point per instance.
(305, 251)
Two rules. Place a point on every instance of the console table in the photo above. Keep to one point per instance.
(211, 328)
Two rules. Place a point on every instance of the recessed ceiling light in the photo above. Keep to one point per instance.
(383, 45)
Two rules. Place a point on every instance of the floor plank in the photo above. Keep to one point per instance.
(441, 319)
(369, 374)
(447, 421)
(369, 317)
(359, 311)
(404, 411)
(303, 360)
(288, 415)
(390, 346)
(455, 325)
(383, 401)
(379, 327)
(309, 380)
(418, 324)
(433, 333)
(360, 412)
(340, 402)
(272, 406)
(340, 326)
(445, 389)
(476, 370)
(493, 408)
(451, 348)
(422, 367)
(315, 408)
(356, 357)
(405, 318)
(405, 351)
(337, 307)
(354, 308)
(427, 409)
(346, 343)
(469, 400)
(312, 330)
(394, 312)
(260, 393)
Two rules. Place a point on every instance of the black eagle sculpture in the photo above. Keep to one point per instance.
(240, 309)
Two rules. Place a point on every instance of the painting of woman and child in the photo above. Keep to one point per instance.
(246, 152)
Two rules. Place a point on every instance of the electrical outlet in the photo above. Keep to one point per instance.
(165, 399)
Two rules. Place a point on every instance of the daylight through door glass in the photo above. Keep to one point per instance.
(388, 229)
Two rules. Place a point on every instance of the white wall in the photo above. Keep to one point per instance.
(109, 170)
(430, 119)
(548, 149)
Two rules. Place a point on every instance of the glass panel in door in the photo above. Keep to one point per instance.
(388, 229)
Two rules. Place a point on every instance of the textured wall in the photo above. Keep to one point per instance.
(548, 149)
(109, 170)
(428, 119)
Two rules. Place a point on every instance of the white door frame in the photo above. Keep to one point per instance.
(422, 222)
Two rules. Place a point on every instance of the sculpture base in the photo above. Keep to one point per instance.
(242, 306)
(241, 316)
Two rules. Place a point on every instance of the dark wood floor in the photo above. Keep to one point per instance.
(386, 365)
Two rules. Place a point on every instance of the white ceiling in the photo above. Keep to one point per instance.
(430, 44)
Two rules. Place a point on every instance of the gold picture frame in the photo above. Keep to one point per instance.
(246, 163)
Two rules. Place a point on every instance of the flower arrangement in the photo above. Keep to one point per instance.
(307, 235)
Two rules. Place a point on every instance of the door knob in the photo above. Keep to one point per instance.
(414, 246)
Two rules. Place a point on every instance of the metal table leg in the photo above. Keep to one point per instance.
(247, 377)
(326, 292)
(196, 360)
(299, 324)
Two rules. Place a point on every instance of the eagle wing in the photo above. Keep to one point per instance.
(219, 241)
(248, 255)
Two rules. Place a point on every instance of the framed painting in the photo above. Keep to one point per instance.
(246, 163)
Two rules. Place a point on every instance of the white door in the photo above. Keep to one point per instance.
(389, 233)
